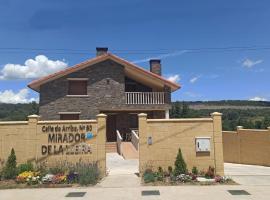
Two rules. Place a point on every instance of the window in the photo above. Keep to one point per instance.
(77, 87)
(69, 116)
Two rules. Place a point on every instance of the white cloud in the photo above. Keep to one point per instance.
(176, 53)
(8, 96)
(32, 68)
(174, 78)
(194, 79)
(258, 99)
(250, 63)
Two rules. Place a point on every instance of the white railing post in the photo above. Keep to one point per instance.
(145, 97)
(135, 139)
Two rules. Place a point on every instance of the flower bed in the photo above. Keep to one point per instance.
(39, 175)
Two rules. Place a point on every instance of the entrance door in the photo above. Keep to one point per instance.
(111, 128)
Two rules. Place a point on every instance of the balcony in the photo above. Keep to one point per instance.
(145, 97)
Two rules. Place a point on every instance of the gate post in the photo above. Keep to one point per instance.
(142, 140)
(218, 144)
(101, 140)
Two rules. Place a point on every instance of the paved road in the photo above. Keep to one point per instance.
(248, 174)
(123, 184)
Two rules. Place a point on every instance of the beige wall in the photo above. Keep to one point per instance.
(247, 146)
(168, 135)
(29, 138)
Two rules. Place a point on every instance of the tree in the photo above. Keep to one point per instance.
(185, 110)
(10, 170)
(180, 164)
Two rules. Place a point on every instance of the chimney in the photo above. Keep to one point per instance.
(155, 66)
(101, 51)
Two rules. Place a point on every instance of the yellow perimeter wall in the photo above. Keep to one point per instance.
(168, 135)
(247, 146)
(29, 138)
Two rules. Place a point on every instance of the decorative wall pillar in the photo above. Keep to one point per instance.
(101, 142)
(218, 145)
(142, 140)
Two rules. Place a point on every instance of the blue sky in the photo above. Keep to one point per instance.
(137, 30)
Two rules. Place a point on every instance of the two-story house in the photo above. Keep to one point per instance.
(105, 84)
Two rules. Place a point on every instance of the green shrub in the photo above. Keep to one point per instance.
(10, 170)
(60, 169)
(25, 167)
(180, 165)
(88, 174)
(149, 177)
(170, 169)
(210, 172)
(159, 174)
(195, 170)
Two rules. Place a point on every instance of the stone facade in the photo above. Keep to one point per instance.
(105, 92)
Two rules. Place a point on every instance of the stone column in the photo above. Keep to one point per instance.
(101, 141)
(31, 140)
(218, 145)
(142, 141)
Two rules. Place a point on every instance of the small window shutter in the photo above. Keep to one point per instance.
(77, 88)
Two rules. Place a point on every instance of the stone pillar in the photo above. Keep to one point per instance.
(142, 141)
(101, 141)
(218, 145)
(31, 140)
(167, 114)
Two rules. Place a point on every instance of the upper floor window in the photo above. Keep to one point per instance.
(77, 87)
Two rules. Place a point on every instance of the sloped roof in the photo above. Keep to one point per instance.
(130, 68)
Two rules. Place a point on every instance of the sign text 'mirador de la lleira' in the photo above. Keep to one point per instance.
(66, 139)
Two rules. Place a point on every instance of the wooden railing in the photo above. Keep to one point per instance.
(145, 97)
(119, 140)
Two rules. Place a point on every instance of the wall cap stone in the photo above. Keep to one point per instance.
(101, 115)
(216, 114)
(33, 116)
(239, 127)
(142, 115)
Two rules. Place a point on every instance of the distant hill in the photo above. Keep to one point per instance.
(249, 114)
(228, 104)
(17, 112)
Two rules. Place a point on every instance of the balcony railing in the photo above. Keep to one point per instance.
(145, 97)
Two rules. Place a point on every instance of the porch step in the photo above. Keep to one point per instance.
(111, 147)
(129, 151)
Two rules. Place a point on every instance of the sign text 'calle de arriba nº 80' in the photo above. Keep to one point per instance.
(67, 139)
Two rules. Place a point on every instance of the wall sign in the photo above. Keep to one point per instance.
(67, 140)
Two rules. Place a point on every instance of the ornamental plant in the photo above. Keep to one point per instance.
(10, 170)
(180, 164)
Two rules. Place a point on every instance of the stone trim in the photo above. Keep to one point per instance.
(68, 113)
(181, 120)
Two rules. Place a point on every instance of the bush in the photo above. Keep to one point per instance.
(88, 173)
(180, 164)
(170, 170)
(210, 172)
(149, 177)
(57, 170)
(195, 170)
(10, 170)
(26, 167)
